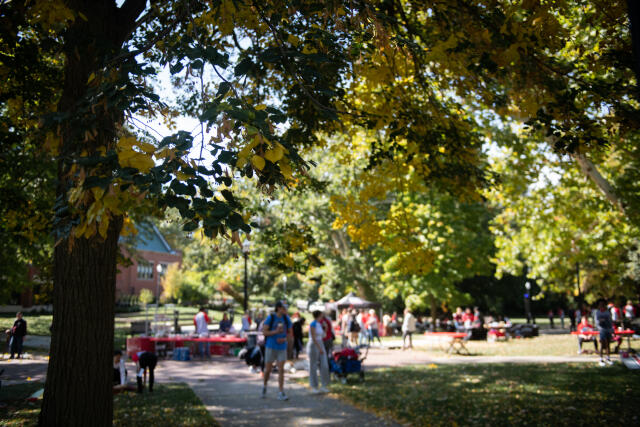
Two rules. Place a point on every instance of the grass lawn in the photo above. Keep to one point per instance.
(168, 405)
(543, 345)
(541, 394)
(37, 324)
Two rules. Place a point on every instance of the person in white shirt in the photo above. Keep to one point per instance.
(119, 372)
(408, 328)
(201, 321)
(246, 323)
(629, 314)
(317, 355)
(386, 320)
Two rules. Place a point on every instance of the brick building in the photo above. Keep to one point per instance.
(151, 251)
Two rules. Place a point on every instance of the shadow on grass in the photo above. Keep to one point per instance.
(533, 394)
(168, 405)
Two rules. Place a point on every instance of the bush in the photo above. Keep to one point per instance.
(146, 296)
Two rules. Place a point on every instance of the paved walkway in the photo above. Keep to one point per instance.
(233, 396)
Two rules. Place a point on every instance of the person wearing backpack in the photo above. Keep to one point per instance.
(354, 329)
(277, 331)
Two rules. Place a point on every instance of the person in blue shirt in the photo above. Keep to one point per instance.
(277, 332)
(225, 324)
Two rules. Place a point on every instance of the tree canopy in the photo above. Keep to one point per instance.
(409, 97)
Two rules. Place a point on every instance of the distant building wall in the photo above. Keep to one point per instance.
(142, 274)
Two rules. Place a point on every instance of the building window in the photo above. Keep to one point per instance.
(145, 271)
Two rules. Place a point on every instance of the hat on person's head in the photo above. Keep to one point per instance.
(280, 304)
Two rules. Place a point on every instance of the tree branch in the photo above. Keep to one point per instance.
(589, 169)
(127, 15)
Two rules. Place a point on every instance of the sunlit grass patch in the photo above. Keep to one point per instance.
(540, 394)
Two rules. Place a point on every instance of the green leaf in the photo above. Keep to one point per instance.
(243, 67)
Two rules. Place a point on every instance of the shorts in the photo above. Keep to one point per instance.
(605, 335)
(272, 354)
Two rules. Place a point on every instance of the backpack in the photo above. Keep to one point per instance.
(353, 326)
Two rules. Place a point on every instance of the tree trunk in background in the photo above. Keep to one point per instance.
(78, 389)
(433, 307)
(634, 21)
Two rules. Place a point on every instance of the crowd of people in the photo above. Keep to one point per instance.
(282, 338)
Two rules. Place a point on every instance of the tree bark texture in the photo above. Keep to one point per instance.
(78, 389)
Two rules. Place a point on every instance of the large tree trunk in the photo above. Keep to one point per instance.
(78, 389)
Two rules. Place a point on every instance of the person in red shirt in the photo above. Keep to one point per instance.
(329, 336)
(467, 318)
(585, 326)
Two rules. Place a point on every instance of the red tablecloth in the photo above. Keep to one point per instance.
(214, 339)
(446, 334)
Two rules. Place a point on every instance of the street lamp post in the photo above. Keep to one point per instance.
(527, 307)
(284, 281)
(158, 270)
(246, 246)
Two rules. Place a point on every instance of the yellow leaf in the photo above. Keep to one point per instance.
(260, 107)
(241, 162)
(274, 154)
(182, 176)
(146, 147)
(285, 169)
(91, 77)
(258, 162)
(165, 152)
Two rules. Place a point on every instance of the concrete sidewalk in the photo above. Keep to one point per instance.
(232, 395)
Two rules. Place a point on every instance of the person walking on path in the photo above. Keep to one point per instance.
(298, 337)
(17, 334)
(372, 326)
(276, 330)
(605, 326)
(550, 316)
(408, 328)
(354, 329)
(317, 355)
(561, 317)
